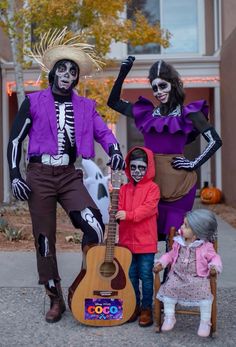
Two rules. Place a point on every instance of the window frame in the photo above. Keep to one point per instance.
(217, 25)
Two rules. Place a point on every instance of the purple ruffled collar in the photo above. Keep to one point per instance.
(147, 119)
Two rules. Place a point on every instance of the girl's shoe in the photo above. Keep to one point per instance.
(204, 328)
(169, 323)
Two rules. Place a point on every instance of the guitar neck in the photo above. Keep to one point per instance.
(112, 226)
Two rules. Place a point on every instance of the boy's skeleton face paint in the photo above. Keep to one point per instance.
(65, 76)
(161, 90)
(138, 169)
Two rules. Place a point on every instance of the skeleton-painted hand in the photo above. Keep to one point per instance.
(20, 190)
(214, 142)
(183, 163)
(116, 161)
(126, 65)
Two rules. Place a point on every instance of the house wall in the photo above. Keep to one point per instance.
(228, 18)
(228, 23)
(4, 42)
(228, 116)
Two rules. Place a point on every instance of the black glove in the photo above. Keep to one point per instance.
(20, 189)
(126, 66)
(116, 161)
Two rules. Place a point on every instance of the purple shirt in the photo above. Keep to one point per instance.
(89, 125)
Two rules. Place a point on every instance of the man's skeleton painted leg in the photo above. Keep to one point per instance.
(90, 222)
(44, 230)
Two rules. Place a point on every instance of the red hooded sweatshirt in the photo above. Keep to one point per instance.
(138, 231)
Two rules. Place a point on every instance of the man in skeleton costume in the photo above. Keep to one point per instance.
(61, 126)
(166, 129)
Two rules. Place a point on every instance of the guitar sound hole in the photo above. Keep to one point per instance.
(107, 269)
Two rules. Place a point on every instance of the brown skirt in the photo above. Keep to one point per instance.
(173, 184)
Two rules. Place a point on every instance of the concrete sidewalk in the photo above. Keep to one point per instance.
(22, 307)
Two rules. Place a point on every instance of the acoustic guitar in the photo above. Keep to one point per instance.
(104, 295)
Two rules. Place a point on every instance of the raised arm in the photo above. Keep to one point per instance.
(18, 133)
(210, 135)
(114, 100)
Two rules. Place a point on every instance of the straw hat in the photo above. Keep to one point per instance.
(54, 46)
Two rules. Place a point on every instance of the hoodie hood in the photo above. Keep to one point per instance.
(150, 173)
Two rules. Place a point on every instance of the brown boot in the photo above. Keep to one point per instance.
(57, 304)
(145, 319)
(135, 315)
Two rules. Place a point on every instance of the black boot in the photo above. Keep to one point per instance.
(57, 304)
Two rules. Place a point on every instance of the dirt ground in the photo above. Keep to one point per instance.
(17, 218)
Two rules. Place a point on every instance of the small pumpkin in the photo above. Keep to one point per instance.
(211, 195)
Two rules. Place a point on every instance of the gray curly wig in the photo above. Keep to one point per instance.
(203, 224)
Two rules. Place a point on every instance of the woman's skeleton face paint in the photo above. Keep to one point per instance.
(161, 90)
(65, 76)
(138, 169)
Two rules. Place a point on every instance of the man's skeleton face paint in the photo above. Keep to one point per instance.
(138, 169)
(161, 90)
(65, 76)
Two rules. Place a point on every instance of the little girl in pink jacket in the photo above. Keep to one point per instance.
(191, 259)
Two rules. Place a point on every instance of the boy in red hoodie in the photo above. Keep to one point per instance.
(137, 215)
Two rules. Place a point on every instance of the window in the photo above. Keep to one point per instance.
(180, 17)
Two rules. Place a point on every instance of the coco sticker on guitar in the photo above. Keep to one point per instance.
(104, 295)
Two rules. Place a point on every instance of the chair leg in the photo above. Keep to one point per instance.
(157, 283)
(214, 305)
(157, 304)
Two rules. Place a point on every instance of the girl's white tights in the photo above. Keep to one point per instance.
(169, 307)
(205, 309)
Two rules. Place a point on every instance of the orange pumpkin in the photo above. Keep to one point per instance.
(211, 195)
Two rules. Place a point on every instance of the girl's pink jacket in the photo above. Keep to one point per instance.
(206, 257)
(138, 231)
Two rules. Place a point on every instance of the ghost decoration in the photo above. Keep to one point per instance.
(97, 186)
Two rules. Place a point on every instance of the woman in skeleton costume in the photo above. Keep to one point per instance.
(61, 126)
(166, 129)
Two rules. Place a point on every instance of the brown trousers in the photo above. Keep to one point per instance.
(51, 185)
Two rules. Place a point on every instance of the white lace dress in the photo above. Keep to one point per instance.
(183, 284)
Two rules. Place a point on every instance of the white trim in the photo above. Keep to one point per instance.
(201, 23)
(218, 154)
(217, 25)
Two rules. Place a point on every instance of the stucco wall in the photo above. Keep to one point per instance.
(228, 117)
(4, 42)
(228, 18)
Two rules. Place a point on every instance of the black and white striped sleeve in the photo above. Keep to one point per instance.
(18, 133)
(214, 142)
